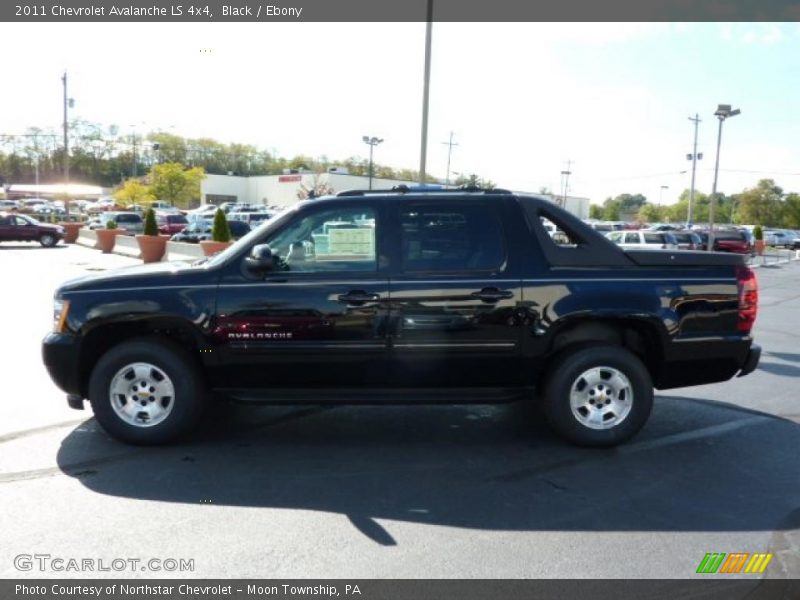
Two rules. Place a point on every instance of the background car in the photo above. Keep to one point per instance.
(22, 228)
(171, 223)
(253, 218)
(130, 221)
(778, 238)
(687, 240)
(649, 240)
(728, 240)
(199, 231)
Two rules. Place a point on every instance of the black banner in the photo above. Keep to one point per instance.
(199, 11)
(372, 589)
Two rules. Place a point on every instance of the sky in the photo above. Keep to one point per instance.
(522, 99)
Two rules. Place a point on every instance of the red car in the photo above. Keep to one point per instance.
(171, 223)
(728, 240)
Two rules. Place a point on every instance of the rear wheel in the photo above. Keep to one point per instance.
(48, 240)
(598, 396)
(147, 391)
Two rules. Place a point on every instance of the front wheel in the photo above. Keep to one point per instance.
(598, 396)
(48, 240)
(147, 391)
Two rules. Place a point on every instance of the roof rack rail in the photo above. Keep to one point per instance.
(404, 189)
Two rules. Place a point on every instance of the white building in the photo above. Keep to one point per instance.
(284, 190)
(279, 191)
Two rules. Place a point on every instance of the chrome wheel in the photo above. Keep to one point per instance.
(141, 394)
(601, 397)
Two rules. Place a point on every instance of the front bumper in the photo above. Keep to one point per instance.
(60, 353)
(751, 362)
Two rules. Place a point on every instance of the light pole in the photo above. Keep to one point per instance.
(661, 194)
(694, 157)
(371, 142)
(426, 82)
(68, 103)
(723, 112)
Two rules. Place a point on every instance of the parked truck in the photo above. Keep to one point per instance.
(406, 296)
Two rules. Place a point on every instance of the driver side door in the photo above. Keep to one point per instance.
(318, 318)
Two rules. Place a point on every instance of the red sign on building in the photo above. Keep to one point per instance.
(289, 178)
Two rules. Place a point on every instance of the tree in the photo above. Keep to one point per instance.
(221, 229)
(150, 225)
(132, 191)
(595, 212)
(319, 187)
(651, 213)
(761, 205)
(175, 184)
(791, 211)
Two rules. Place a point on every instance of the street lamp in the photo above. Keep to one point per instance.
(371, 142)
(661, 194)
(723, 112)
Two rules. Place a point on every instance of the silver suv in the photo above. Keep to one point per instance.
(644, 240)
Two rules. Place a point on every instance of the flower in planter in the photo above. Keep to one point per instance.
(151, 245)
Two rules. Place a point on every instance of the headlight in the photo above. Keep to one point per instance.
(60, 229)
(60, 310)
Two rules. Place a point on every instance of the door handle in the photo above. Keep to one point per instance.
(492, 295)
(358, 297)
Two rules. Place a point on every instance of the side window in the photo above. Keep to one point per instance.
(337, 239)
(4, 221)
(19, 221)
(452, 237)
(655, 238)
(631, 238)
(615, 237)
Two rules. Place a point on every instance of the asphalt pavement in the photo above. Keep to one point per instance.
(398, 492)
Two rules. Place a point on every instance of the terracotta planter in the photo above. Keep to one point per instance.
(210, 247)
(759, 247)
(106, 238)
(153, 247)
(71, 232)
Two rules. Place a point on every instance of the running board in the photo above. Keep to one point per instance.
(376, 395)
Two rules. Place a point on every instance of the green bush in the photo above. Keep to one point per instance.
(221, 231)
(150, 227)
(758, 232)
(112, 224)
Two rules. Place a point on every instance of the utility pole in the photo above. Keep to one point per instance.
(66, 148)
(566, 173)
(449, 145)
(694, 158)
(426, 92)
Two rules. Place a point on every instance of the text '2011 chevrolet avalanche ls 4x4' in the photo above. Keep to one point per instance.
(400, 296)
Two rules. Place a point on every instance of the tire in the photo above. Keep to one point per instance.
(48, 240)
(598, 396)
(147, 391)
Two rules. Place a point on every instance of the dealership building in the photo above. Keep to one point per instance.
(279, 191)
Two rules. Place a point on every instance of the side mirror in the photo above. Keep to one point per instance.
(261, 259)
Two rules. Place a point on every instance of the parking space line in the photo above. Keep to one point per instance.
(686, 436)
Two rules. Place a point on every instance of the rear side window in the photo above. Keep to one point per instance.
(631, 238)
(452, 237)
(129, 219)
(655, 238)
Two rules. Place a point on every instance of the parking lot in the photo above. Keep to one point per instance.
(401, 492)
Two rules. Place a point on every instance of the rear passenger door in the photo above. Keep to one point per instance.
(454, 291)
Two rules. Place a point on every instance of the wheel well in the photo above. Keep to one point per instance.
(101, 339)
(640, 337)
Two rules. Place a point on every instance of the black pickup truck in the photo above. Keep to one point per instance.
(456, 296)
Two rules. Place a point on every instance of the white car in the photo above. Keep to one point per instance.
(644, 240)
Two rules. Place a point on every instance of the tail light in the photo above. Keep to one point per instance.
(748, 297)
